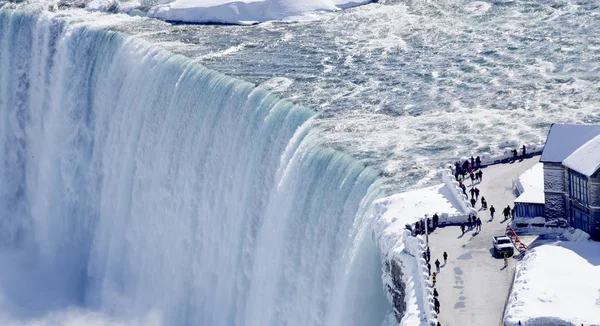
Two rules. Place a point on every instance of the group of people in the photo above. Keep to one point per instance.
(515, 154)
(436, 301)
(419, 226)
(472, 222)
(472, 169)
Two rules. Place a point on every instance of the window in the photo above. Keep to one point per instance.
(578, 187)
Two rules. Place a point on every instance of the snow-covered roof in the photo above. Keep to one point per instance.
(564, 139)
(586, 159)
(532, 181)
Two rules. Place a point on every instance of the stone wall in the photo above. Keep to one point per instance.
(555, 188)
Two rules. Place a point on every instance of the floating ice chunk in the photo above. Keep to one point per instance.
(244, 12)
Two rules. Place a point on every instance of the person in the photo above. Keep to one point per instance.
(428, 254)
(472, 191)
(478, 222)
(514, 154)
(437, 265)
(473, 201)
(435, 292)
(462, 227)
(492, 211)
(476, 193)
(429, 224)
(524, 153)
(436, 304)
(434, 277)
(469, 221)
(483, 203)
(477, 162)
(505, 260)
(445, 257)
(472, 161)
(472, 176)
(428, 268)
(507, 211)
(436, 219)
(480, 175)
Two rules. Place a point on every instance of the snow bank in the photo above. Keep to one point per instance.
(405, 275)
(557, 284)
(244, 12)
(572, 234)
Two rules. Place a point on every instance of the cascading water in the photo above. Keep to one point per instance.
(135, 183)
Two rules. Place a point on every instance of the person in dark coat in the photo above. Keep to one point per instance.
(476, 193)
(429, 268)
(478, 222)
(524, 151)
(436, 219)
(436, 304)
(472, 191)
(480, 175)
(462, 227)
(437, 265)
(469, 221)
(477, 162)
(428, 254)
(445, 257)
(473, 201)
(435, 292)
(492, 211)
(514, 154)
(483, 203)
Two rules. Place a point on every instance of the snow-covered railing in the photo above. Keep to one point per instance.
(506, 154)
(457, 192)
(416, 246)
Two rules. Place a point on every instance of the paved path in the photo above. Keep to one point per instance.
(473, 286)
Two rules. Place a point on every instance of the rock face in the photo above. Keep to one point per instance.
(395, 288)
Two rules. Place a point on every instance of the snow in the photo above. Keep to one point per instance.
(530, 185)
(586, 159)
(244, 12)
(573, 234)
(557, 284)
(564, 139)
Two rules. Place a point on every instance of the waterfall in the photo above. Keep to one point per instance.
(135, 183)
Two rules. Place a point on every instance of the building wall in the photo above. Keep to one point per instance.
(555, 189)
(594, 191)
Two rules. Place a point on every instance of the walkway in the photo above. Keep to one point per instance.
(473, 286)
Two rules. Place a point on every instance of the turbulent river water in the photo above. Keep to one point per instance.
(146, 179)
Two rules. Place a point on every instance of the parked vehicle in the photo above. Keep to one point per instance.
(503, 245)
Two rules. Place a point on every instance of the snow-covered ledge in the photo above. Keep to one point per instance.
(405, 276)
